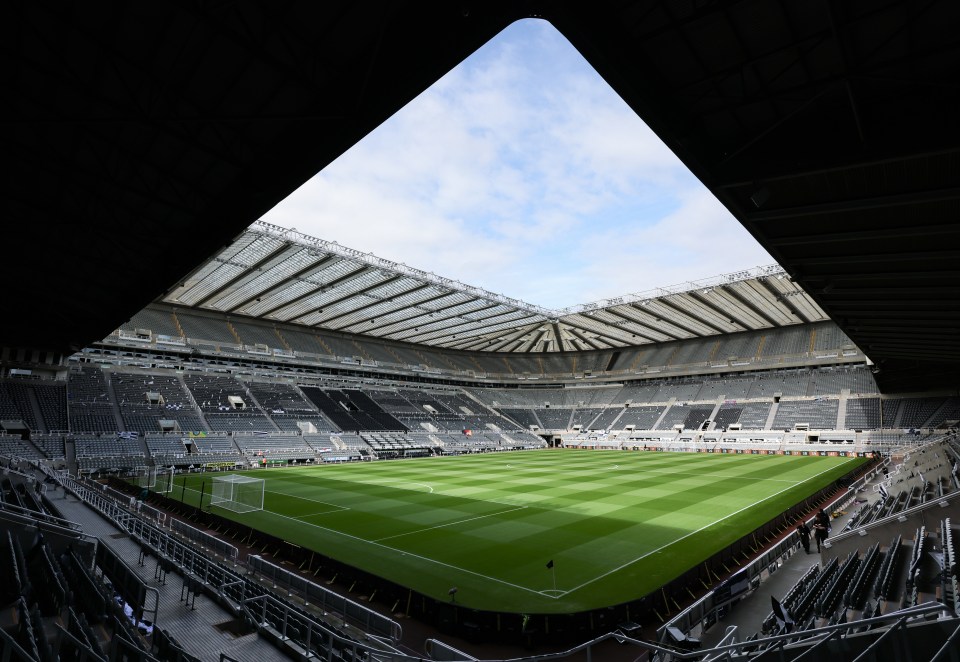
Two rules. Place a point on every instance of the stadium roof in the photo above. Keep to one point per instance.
(142, 137)
(281, 275)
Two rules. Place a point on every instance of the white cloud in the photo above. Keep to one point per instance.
(523, 173)
(698, 240)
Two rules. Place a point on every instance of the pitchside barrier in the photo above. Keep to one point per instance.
(706, 611)
(226, 583)
(150, 512)
(357, 614)
(308, 638)
(703, 613)
(222, 548)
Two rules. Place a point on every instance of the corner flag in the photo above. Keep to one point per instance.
(549, 564)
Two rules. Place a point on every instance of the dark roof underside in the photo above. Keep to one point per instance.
(143, 137)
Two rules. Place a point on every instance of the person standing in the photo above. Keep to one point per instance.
(823, 517)
(804, 532)
(819, 532)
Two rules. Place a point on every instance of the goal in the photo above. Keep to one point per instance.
(240, 494)
(164, 480)
(146, 476)
(155, 479)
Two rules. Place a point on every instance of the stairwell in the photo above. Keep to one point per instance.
(716, 410)
(450, 364)
(613, 423)
(537, 418)
(588, 425)
(673, 355)
(772, 415)
(35, 408)
(361, 351)
(114, 404)
(70, 455)
(257, 407)
(324, 346)
(193, 403)
(637, 361)
(395, 356)
(32, 445)
(176, 323)
(283, 341)
(142, 442)
(713, 352)
(234, 333)
(842, 410)
(663, 415)
(898, 417)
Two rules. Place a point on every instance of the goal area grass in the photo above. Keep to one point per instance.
(616, 525)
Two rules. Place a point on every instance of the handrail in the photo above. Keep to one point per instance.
(225, 549)
(918, 610)
(328, 599)
(438, 650)
(949, 646)
(46, 517)
(939, 501)
(30, 520)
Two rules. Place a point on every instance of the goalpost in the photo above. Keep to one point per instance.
(146, 476)
(157, 479)
(240, 494)
(164, 481)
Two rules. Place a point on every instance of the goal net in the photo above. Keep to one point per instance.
(240, 494)
(146, 476)
(164, 481)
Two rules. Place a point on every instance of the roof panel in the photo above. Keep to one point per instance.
(278, 274)
(291, 260)
(761, 298)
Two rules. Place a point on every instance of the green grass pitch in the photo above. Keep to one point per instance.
(616, 524)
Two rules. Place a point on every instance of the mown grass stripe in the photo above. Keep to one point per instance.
(489, 523)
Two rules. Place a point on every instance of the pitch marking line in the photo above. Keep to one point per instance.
(696, 475)
(662, 547)
(295, 496)
(426, 559)
(325, 512)
(392, 482)
(440, 526)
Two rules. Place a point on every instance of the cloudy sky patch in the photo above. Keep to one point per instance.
(522, 172)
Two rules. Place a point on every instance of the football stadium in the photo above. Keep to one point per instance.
(224, 439)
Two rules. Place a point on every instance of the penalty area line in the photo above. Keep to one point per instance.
(454, 523)
(296, 496)
(395, 550)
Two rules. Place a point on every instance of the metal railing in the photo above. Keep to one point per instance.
(205, 539)
(363, 617)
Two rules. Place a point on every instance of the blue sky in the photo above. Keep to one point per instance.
(522, 172)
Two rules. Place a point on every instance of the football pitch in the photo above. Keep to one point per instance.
(616, 525)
